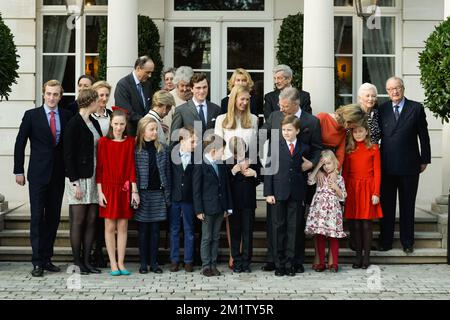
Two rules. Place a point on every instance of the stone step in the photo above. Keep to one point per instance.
(394, 256)
(21, 238)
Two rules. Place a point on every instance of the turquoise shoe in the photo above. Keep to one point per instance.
(125, 272)
(115, 273)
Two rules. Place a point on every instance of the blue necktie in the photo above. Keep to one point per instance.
(202, 116)
(141, 92)
(396, 112)
(216, 169)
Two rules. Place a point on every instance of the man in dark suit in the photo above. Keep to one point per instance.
(197, 113)
(44, 127)
(282, 76)
(134, 93)
(310, 135)
(402, 121)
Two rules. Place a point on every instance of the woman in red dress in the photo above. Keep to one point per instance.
(362, 176)
(117, 189)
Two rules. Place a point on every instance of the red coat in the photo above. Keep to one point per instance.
(362, 176)
(116, 171)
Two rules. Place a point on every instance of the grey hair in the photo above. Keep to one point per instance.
(141, 61)
(396, 79)
(291, 94)
(183, 73)
(366, 87)
(287, 71)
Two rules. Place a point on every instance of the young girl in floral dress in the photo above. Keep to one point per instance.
(325, 215)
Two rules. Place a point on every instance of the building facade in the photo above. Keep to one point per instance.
(216, 37)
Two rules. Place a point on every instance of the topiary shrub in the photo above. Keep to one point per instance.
(434, 64)
(8, 60)
(290, 46)
(148, 44)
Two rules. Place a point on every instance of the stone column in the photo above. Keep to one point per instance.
(442, 201)
(318, 54)
(122, 48)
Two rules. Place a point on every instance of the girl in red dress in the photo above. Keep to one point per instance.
(117, 189)
(362, 176)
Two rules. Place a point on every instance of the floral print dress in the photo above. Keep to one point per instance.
(325, 214)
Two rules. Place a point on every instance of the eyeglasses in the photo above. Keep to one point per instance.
(399, 88)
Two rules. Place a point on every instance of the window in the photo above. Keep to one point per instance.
(364, 51)
(67, 50)
(214, 5)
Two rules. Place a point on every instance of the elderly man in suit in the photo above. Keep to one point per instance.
(402, 121)
(289, 102)
(44, 127)
(134, 92)
(197, 109)
(282, 76)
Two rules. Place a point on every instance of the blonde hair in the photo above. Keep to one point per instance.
(101, 84)
(350, 145)
(163, 98)
(142, 124)
(53, 83)
(243, 72)
(350, 114)
(329, 155)
(230, 119)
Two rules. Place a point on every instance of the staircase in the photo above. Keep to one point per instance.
(429, 246)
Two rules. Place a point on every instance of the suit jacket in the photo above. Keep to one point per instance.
(399, 147)
(79, 148)
(243, 189)
(46, 159)
(182, 183)
(186, 114)
(212, 194)
(163, 163)
(126, 96)
(310, 133)
(271, 102)
(289, 179)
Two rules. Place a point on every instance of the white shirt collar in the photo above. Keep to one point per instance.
(196, 103)
(209, 158)
(293, 142)
(136, 80)
(299, 112)
(47, 109)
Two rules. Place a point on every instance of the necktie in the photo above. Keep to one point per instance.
(184, 160)
(291, 148)
(396, 113)
(141, 92)
(202, 115)
(216, 169)
(53, 125)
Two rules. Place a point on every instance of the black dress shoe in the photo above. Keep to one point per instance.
(37, 272)
(408, 250)
(270, 266)
(291, 272)
(91, 269)
(237, 269)
(280, 272)
(381, 248)
(143, 270)
(156, 270)
(299, 268)
(83, 270)
(51, 267)
(246, 270)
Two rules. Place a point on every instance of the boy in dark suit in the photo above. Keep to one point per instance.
(285, 191)
(182, 209)
(212, 200)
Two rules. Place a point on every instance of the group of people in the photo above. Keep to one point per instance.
(173, 155)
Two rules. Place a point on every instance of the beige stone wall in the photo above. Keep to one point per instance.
(20, 17)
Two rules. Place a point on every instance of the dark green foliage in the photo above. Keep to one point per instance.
(102, 48)
(290, 46)
(9, 62)
(148, 44)
(434, 64)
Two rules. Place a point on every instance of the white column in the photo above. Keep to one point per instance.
(318, 54)
(445, 142)
(122, 48)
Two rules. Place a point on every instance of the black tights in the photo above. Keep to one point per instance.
(82, 231)
(362, 239)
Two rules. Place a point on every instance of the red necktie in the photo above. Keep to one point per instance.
(291, 148)
(53, 126)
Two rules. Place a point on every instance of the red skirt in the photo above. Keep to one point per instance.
(358, 204)
(117, 202)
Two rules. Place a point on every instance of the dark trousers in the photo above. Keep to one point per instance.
(210, 240)
(269, 258)
(181, 214)
(407, 191)
(148, 243)
(285, 217)
(45, 205)
(241, 225)
(300, 242)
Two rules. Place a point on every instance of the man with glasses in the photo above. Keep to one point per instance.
(134, 93)
(402, 121)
